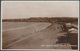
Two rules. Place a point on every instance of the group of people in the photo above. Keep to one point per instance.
(72, 30)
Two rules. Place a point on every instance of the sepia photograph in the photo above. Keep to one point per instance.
(40, 24)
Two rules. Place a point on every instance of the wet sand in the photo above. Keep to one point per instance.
(33, 35)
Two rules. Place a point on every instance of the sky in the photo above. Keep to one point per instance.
(27, 9)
